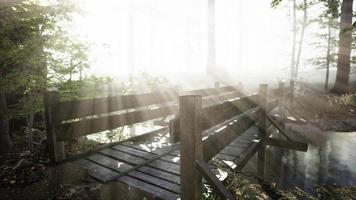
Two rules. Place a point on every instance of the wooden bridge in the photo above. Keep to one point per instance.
(220, 123)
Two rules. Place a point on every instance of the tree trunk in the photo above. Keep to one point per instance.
(326, 85)
(294, 39)
(305, 6)
(345, 40)
(211, 38)
(131, 42)
(5, 140)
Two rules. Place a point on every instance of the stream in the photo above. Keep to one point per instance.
(330, 159)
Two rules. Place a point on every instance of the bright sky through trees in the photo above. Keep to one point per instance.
(170, 36)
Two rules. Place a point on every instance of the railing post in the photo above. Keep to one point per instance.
(282, 112)
(291, 92)
(56, 148)
(262, 103)
(190, 111)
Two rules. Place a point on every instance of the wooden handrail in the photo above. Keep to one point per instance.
(213, 181)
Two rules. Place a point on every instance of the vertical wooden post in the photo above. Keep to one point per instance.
(262, 103)
(174, 130)
(282, 112)
(190, 111)
(291, 97)
(56, 148)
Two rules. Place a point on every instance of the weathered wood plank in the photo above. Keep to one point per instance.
(170, 158)
(85, 127)
(110, 163)
(262, 103)
(292, 145)
(96, 171)
(122, 156)
(190, 111)
(272, 105)
(216, 142)
(210, 91)
(151, 189)
(82, 108)
(56, 148)
(219, 113)
(172, 187)
(135, 152)
(218, 187)
(239, 144)
(223, 156)
(232, 150)
(160, 174)
(211, 100)
(246, 155)
(165, 166)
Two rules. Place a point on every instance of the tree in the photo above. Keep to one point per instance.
(27, 29)
(344, 52)
(211, 38)
(327, 22)
(304, 24)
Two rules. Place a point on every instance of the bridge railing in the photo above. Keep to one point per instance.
(195, 152)
(72, 119)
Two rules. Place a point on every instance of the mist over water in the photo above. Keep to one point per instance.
(329, 160)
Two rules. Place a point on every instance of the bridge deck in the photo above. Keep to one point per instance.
(157, 172)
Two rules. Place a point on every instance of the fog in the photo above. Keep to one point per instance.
(170, 38)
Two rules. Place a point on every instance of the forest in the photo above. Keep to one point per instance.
(167, 99)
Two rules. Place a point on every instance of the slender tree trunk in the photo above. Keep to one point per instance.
(5, 140)
(294, 39)
(345, 40)
(211, 37)
(305, 17)
(326, 85)
(130, 53)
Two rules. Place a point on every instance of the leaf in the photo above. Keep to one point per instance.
(275, 3)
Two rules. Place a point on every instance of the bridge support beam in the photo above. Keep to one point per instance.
(190, 114)
(262, 103)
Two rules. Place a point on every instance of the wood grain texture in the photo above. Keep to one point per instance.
(89, 126)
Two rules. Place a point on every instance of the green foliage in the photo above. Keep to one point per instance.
(275, 3)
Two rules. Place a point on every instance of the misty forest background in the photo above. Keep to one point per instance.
(37, 53)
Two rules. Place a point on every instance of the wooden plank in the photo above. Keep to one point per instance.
(262, 103)
(219, 113)
(122, 156)
(89, 126)
(88, 107)
(232, 150)
(216, 114)
(170, 158)
(217, 186)
(135, 152)
(160, 174)
(223, 156)
(172, 187)
(216, 142)
(272, 105)
(56, 148)
(190, 111)
(96, 171)
(292, 145)
(110, 163)
(210, 91)
(149, 188)
(241, 145)
(165, 166)
(211, 100)
(246, 155)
